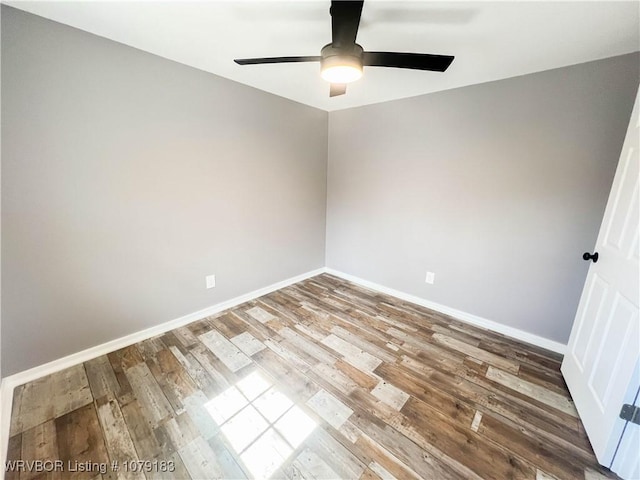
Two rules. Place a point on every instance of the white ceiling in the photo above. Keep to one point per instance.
(490, 40)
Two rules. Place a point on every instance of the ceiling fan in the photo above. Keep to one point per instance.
(342, 60)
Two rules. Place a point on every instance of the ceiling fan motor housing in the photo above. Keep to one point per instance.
(331, 56)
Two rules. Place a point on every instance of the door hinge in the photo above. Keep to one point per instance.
(630, 413)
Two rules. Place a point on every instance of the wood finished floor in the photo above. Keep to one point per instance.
(322, 379)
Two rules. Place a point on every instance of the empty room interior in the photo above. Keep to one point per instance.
(320, 240)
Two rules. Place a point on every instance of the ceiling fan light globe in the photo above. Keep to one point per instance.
(341, 73)
(342, 66)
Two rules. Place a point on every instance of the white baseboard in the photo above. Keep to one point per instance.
(9, 383)
(457, 314)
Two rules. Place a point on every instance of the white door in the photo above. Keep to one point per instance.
(604, 347)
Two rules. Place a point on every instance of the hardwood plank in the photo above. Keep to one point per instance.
(362, 344)
(456, 409)
(532, 390)
(179, 430)
(200, 416)
(185, 336)
(475, 423)
(525, 353)
(225, 323)
(247, 343)
(175, 373)
(297, 351)
(167, 389)
(226, 459)
(540, 475)
(15, 425)
(307, 346)
(476, 389)
(451, 332)
(591, 474)
(339, 458)
(551, 380)
(332, 410)
(311, 466)
(310, 332)
(490, 358)
(288, 355)
(128, 357)
(291, 381)
(352, 354)
(261, 331)
(226, 351)
(392, 396)
(101, 376)
(483, 458)
(200, 327)
(200, 460)
(381, 456)
(215, 369)
(14, 453)
(118, 361)
(174, 469)
(274, 322)
(548, 457)
(424, 463)
(118, 440)
(155, 405)
(367, 380)
(40, 443)
(80, 441)
(260, 314)
(149, 348)
(350, 431)
(436, 463)
(196, 371)
(335, 376)
(71, 390)
(369, 474)
(174, 381)
(449, 358)
(381, 472)
(49, 397)
(148, 446)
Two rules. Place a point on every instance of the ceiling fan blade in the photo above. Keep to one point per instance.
(337, 89)
(345, 19)
(257, 61)
(416, 61)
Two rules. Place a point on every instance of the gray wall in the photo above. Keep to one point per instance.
(126, 178)
(497, 188)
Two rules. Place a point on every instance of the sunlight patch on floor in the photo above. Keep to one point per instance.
(262, 424)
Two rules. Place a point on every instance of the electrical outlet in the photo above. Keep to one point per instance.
(211, 281)
(431, 277)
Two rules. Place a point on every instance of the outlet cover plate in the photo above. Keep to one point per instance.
(211, 281)
(431, 277)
